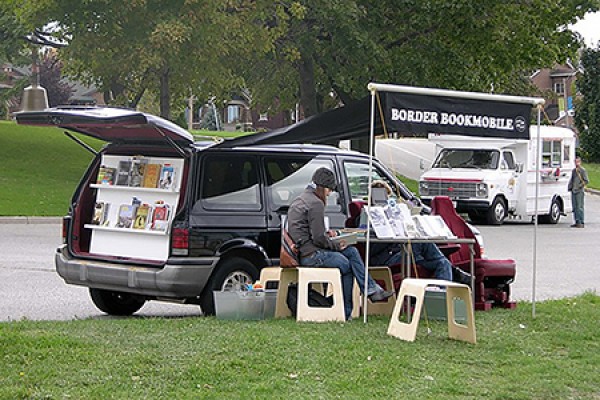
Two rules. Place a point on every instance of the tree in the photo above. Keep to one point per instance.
(57, 89)
(463, 44)
(587, 110)
(126, 48)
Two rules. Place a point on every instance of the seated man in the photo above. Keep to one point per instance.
(306, 226)
(427, 255)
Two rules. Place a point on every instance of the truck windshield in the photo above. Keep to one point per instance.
(467, 158)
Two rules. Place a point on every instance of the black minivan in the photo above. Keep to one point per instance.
(158, 216)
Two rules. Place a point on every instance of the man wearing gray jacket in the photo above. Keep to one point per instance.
(579, 178)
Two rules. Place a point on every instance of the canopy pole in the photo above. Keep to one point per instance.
(538, 157)
(367, 235)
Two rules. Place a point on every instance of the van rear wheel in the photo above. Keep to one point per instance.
(231, 274)
(554, 215)
(116, 303)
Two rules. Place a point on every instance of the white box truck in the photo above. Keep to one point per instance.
(492, 179)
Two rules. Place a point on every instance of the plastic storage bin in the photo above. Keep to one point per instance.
(435, 304)
(245, 305)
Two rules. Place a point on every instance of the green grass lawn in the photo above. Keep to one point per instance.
(554, 356)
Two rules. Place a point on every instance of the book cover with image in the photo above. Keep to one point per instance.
(160, 217)
(106, 176)
(126, 215)
(100, 216)
(142, 216)
(124, 173)
(167, 177)
(151, 175)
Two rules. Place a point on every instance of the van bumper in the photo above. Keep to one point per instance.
(464, 205)
(178, 278)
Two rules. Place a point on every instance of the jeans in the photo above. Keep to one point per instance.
(351, 266)
(577, 201)
(428, 255)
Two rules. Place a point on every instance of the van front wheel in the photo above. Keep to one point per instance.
(497, 212)
(231, 274)
(116, 303)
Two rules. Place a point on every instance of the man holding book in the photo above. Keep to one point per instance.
(306, 226)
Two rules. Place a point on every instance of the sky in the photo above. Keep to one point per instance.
(589, 28)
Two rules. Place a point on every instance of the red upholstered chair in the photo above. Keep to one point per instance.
(492, 277)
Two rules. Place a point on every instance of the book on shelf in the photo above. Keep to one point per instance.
(160, 217)
(124, 173)
(100, 216)
(167, 177)
(106, 175)
(138, 167)
(126, 215)
(142, 216)
(151, 175)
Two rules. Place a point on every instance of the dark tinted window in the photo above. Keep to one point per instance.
(230, 182)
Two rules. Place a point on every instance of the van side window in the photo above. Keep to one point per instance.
(230, 182)
(551, 153)
(358, 180)
(509, 160)
(288, 177)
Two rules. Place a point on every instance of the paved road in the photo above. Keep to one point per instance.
(568, 263)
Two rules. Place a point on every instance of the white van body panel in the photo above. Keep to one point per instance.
(513, 181)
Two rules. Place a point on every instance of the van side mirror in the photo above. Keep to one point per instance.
(519, 168)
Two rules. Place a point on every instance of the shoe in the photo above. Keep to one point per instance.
(577, 226)
(460, 276)
(381, 295)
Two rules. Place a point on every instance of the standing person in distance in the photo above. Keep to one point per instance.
(306, 226)
(579, 178)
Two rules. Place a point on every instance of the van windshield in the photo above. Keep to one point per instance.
(467, 158)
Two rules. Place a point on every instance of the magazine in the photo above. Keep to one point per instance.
(138, 165)
(348, 238)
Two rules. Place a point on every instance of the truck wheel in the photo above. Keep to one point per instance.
(231, 274)
(554, 215)
(476, 217)
(497, 212)
(116, 303)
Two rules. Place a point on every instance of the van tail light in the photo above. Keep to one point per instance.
(65, 228)
(180, 242)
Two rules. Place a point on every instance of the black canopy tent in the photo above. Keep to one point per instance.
(412, 114)
(413, 111)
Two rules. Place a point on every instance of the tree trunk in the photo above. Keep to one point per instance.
(165, 95)
(308, 94)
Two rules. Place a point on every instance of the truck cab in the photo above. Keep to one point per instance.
(492, 179)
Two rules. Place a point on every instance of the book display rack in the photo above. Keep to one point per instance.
(135, 201)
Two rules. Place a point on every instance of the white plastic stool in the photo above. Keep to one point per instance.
(416, 288)
(269, 274)
(305, 276)
(381, 307)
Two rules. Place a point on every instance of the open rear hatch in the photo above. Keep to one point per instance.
(132, 135)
